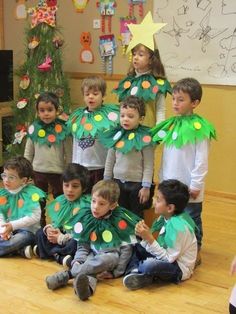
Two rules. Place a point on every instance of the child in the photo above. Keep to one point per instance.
(55, 241)
(146, 79)
(19, 208)
(104, 235)
(232, 301)
(171, 257)
(48, 147)
(84, 124)
(130, 157)
(186, 140)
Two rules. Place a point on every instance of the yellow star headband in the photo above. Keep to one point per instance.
(143, 33)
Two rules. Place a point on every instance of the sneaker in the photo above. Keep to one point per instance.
(135, 281)
(36, 250)
(57, 280)
(66, 261)
(26, 252)
(81, 287)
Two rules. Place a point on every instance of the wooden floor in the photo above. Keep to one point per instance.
(23, 289)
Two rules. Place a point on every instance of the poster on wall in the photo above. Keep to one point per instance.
(199, 39)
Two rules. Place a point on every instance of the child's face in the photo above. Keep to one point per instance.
(161, 207)
(93, 98)
(72, 190)
(141, 59)
(46, 112)
(100, 206)
(129, 118)
(11, 179)
(182, 103)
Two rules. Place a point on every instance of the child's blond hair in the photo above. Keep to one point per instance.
(107, 189)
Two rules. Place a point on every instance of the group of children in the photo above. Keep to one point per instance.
(96, 218)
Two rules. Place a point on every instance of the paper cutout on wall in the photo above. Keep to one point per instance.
(20, 11)
(132, 3)
(107, 47)
(107, 9)
(86, 54)
(80, 5)
(125, 34)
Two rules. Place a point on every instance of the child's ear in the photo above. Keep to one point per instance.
(113, 206)
(195, 103)
(141, 119)
(171, 209)
(24, 180)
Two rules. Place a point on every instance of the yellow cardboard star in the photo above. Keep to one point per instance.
(143, 33)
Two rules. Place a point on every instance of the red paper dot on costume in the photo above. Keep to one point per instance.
(147, 139)
(3, 200)
(145, 84)
(120, 144)
(88, 126)
(127, 84)
(57, 207)
(122, 224)
(51, 138)
(20, 203)
(58, 128)
(155, 89)
(82, 121)
(93, 236)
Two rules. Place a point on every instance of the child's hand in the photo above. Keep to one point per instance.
(194, 193)
(143, 231)
(6, 234)
(105, 275)
(144, 195)
(53, 234)
(233, 266)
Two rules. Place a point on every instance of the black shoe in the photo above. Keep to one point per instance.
(81, 286)
(135, 281)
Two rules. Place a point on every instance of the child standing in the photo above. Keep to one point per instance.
(19, 208)
(55, 241)
(84, 124)
(104, 235)
(171, 257)
(131, 156)
(146, 79)
(48, 147)
(186, 139)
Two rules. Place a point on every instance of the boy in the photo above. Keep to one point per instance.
(172, 256)
(48, 147)
(186, 139)
(131, 156)
(55, 241)
(19, 208)
(104, 234)
(84, 124)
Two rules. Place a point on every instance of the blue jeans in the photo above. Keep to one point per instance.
(195, 211)
(147, 264)
(19, 239)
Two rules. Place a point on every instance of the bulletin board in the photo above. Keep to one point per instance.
(199, 39)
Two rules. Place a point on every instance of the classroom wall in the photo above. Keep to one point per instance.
(218, 104)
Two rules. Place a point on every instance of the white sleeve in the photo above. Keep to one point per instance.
(27, 221)
(29, 150)
(160, 108)
(201, 165)
(109, 165)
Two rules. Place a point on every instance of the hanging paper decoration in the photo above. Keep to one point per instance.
(44, 12)
(24, 82)
(19, 136)
(86, 54)
(58, 41)
(34, 42)
(107, 51)
(132, 3)
(80, 5)
(46, 65)
(22, 103)
(20, 11)
(107, 9)
(125, 33)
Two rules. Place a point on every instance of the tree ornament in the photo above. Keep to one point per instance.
(80, 5)
(58, 41)
(107, 9)
(42, 13)
(18, 136)
(86, 54)
(24, 82)
(34, 42)
(46, 65)
(22, 103)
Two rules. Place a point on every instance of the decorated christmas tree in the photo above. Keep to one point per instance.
(42, 71)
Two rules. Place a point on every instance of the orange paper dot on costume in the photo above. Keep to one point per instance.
(58, 128)
(41, 133)
(88, 126)
(3, 200)
(147, 139)
(120, 144)
(82, 121)
(127, 84)
(155, 89)
(197, 125)
(75, 210)
(35, 197)
(145, 84)
(122, 224)
(51, 138)
(57, 207)
(20, 203)
(107, 236)
(93, 236)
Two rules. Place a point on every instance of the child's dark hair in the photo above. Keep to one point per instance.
(135, 103)
(95, 83)
(176, 193)
(107, 189)
(76, 172)
(21, 165)
(189, 86)
(48, 97)
(156, 67)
